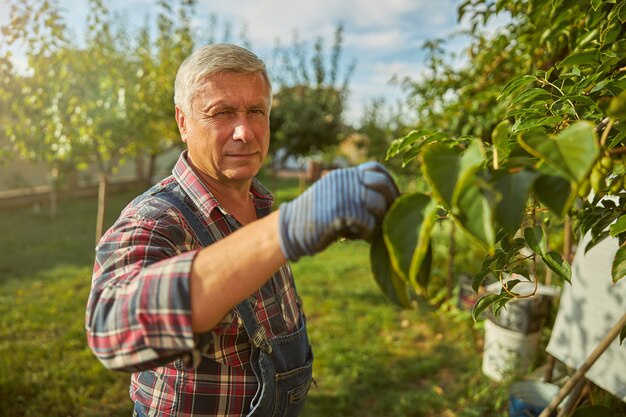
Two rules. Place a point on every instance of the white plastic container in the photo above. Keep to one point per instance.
(507, 352)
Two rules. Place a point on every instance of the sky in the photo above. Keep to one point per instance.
(383, 37)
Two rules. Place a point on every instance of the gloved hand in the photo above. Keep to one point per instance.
(347, 203)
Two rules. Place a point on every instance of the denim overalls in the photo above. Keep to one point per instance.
(282, 365)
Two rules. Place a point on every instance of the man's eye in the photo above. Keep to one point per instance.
(223, 114)
(257, 112)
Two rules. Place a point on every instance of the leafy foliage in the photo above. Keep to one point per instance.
(310, 99)
(529, 132)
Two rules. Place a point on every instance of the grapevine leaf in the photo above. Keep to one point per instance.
(618, 269)
(406, 231)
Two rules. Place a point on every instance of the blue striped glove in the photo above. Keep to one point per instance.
(344, 203)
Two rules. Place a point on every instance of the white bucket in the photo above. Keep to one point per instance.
(507, 352)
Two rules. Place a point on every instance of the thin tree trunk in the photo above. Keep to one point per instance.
(54, 197)
(102, 189)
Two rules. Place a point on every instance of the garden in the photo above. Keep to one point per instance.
(511, 161)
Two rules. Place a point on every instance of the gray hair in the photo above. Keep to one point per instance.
(211, 59)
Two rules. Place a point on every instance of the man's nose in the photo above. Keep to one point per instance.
(242, 128)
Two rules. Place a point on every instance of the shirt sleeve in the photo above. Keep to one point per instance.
(139, 309)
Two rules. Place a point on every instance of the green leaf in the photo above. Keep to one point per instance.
(554, 192)
(479, 277)
(617, 107)
(558, 265)
(516, 84)
(470, 161)
(585, 56)
(391, 284)
(485, 302)
(406, 229)
(446, 170)
(535, 239)
(500, 140)
(618, 269)
(618, 227)
(531, 94)
(514, 190)
(622, 335)
(475, 213)
(441, 166)
(571, 153)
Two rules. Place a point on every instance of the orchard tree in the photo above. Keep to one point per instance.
(530, 132)
(94, 103)
(310, 97)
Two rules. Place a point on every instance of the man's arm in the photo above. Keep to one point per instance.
(228, 271)
(150, 299)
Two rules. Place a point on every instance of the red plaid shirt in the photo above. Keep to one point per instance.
(139, 310)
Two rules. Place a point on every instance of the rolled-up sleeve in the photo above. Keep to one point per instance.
(139, 310)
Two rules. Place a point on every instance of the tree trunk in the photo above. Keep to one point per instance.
(102, 189)
(54, 197)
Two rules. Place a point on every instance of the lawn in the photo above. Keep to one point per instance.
(372, 359)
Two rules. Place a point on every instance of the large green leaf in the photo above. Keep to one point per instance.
(618, 269)
(554, 192)
(441, 166)
(571, 153)
(475, 213)
(391, 284)
(470, 161)
(446, 170)
(513, 189)
(406, 229)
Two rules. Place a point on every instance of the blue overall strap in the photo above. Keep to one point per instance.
(256, 332)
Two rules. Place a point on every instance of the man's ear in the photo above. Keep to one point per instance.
(181, 121)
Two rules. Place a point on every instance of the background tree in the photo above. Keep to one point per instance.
(310, 96)
(97, 103)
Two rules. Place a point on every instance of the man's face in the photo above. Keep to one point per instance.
(227, 133)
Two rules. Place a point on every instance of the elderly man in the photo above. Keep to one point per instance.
(192, 290)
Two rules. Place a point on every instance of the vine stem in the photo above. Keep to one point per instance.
(605, 132)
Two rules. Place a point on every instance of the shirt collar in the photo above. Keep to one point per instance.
(202, 197)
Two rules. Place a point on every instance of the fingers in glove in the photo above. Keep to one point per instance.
(382, 183)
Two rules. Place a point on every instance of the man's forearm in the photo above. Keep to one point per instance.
(228, 271)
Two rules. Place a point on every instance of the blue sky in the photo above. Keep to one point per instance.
(383, 36)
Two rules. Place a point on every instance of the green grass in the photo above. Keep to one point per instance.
(372, 359)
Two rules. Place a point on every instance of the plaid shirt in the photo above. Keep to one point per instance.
(139, 310)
